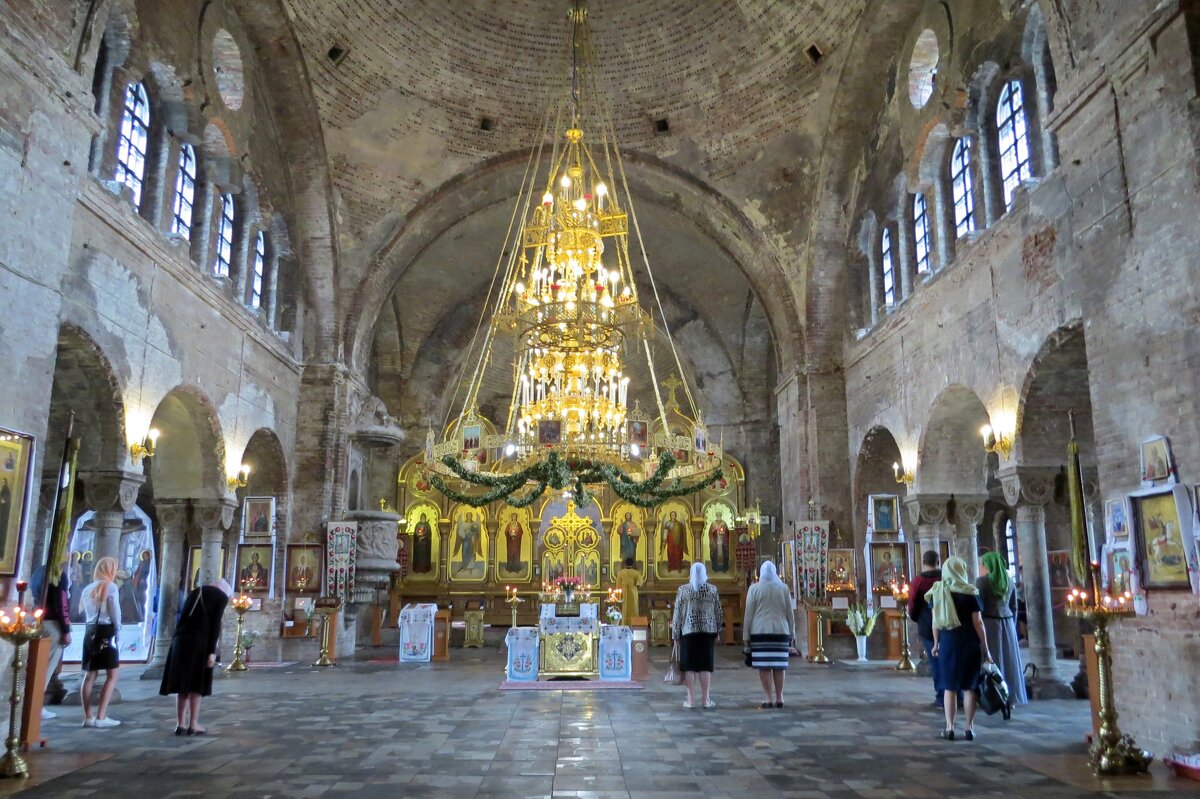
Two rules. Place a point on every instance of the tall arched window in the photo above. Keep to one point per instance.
(133, 140)
(1013, 135)
(921, 240)
(185, 192)
(260, 271)
(224, 237)
(888, 267)
(961, 188)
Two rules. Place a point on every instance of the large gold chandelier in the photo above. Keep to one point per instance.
(567, 295)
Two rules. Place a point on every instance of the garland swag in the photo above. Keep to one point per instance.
(554, 472)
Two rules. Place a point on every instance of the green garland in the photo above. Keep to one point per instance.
(558, 474)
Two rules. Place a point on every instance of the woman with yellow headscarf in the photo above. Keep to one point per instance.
(959, 641)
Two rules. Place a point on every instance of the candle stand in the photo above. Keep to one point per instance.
(18, 627)
(241, 603)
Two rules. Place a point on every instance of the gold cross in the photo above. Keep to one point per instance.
(672, 384)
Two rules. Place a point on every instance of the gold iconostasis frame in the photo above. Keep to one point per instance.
(618, 529)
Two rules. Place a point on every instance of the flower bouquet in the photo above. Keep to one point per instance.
(613, 615)
(860, 620)
(567, 586)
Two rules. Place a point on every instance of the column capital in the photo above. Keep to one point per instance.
(1028, 485)
(926, 508)
(214, 514)
(171, 513)
(111, 489)
(969, 507)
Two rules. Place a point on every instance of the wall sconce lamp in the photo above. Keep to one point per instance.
(903, 475)
(240, 479)
(1001, 445)
(146, 448)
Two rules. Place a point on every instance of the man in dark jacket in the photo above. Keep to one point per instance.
(56, 620)
(920, 612)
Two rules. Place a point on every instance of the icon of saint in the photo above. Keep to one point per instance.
(514, 533)
(629, 535)
(718, 542)
(422, 556)
(674, 543)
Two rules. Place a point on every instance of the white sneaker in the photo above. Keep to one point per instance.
(89, 722)
(106, 722)
(48, 714)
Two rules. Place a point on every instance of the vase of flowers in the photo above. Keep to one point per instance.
(568, 586)
(861, 622)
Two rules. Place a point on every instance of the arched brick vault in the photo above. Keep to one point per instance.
(190, 460)
(85, 382)
(951, 458)
(496, 182)
(1057, 382)
(873, 473)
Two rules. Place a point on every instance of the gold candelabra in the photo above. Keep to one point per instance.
(818, 656)
(1111, 753)
(900, 594)
(614, 599)
(18, 627)
(325, 659)
(240, 603)
(513, 601)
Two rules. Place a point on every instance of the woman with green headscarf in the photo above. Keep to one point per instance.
(959, 641)
(999, 597)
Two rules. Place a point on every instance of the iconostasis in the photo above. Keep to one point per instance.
(451, 546)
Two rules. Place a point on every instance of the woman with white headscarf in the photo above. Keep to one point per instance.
(769, 631)
(698, 617)
(193, 655)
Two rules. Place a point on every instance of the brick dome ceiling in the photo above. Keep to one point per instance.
(403, 87)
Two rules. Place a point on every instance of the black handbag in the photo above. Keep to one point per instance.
(994, 696)
(749, 655)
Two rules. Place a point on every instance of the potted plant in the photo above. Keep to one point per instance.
(861, 622)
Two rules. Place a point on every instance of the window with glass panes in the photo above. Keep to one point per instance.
(1013, 136)
(260, 269)
(185, 192)
(960, 188)
(889, 270)
(921, 239)
(132, 140)
(224, 237)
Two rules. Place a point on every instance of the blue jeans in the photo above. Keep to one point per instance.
(934, 670)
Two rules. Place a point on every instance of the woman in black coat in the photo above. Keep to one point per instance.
(189, 670)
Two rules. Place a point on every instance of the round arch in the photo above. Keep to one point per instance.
(85, 383)
(873, 471)
(951, 457)
(190, 457)
(497, 182)
(1057, 381)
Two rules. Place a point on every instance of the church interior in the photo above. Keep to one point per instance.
(440, 340)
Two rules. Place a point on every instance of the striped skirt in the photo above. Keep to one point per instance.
(769, 651)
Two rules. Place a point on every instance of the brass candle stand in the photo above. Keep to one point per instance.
(900, 594)
(325, 660)
(1111, 753)
(818, 656)
(240, 603)
(18, 629)
(513, 601)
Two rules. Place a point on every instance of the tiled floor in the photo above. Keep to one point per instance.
(381, 729)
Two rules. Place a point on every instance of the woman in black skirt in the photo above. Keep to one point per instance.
(959, 641)
(698, 617)
(189, 670)
(769, 631)
(102, 611)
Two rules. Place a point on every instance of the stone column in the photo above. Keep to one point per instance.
(158, 174)
(875, 283)
(376, 559)
(270, 301)
(968, 515)
(1029, 490)
(943, 222)
(213, 517)
(202, 216)
(928, 514)
(110, 494)
(172, 522)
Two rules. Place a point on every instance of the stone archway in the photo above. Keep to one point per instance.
(188, 482)
(873, 474)
(1057, 382)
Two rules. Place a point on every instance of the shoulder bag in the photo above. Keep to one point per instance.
(674, 676)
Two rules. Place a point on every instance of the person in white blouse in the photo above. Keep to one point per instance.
(102, 612)
(769, 632)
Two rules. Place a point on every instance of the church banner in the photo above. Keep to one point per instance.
(812, 547)
(341, 545)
